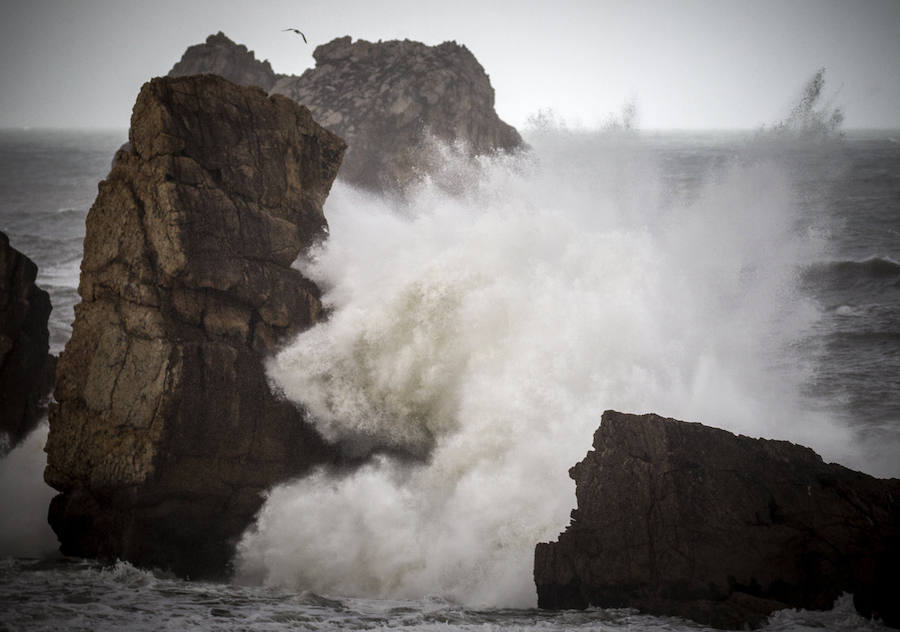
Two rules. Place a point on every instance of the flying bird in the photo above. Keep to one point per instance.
(297, 31)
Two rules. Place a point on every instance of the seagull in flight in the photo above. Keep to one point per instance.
(297, 31)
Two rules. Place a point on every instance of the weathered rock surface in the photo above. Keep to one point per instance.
(221, 56)
(682, 519)
(25, 363)
(165, 433)
(389, 100)
(383, 98)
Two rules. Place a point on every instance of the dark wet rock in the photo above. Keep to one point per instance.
(396, 103)
(220, 56)
(165, 434)
(26, 368)
(682, 519)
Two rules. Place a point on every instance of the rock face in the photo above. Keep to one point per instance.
(24, 344)
(165, 433)
(220, 56)
(383, 98)
(681, 519)
(388, 100)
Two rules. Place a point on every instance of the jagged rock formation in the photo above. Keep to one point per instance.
(389, 100)
(682, 519)
(220, 56)
(165, 433)
(383, 98)
(25, 363)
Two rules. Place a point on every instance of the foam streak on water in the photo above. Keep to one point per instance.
(489, 331)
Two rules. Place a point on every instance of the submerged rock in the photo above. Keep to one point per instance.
(389, 100)
(681, 519)
(221, 56)
(165, 434)
(25, 363)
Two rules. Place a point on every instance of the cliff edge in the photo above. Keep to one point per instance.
(165, 434)
(681, 519)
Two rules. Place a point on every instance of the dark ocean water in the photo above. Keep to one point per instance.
(850, 191)
(860, 287)
(808, 302)
(49, 181)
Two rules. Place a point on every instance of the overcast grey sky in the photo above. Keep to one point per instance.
(687, 63)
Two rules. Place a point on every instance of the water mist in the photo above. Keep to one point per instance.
(486, 331)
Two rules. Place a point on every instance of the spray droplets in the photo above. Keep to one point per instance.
(486, 332)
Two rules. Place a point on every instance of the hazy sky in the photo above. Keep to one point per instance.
(687, 63)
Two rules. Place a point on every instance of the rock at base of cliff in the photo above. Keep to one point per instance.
(26, 368)
(164, 435)
(682, 519)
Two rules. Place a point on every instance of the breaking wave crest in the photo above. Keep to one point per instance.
(849, 273)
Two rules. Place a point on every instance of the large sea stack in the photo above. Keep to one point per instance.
(25, 362)
(681, 519)
(165, 434)
(388, 100)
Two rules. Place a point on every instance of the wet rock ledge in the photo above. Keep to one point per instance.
(681, 519)
(165, 433)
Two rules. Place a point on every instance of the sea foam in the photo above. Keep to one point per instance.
(485, 332)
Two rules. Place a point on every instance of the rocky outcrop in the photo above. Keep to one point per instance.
(388, 99)
(681, 519)
(165, 434)
(220, 56)
(25, 363)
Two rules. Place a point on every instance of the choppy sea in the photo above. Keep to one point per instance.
(743, 280)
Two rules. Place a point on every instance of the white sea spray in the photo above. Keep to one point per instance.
(487, 331)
